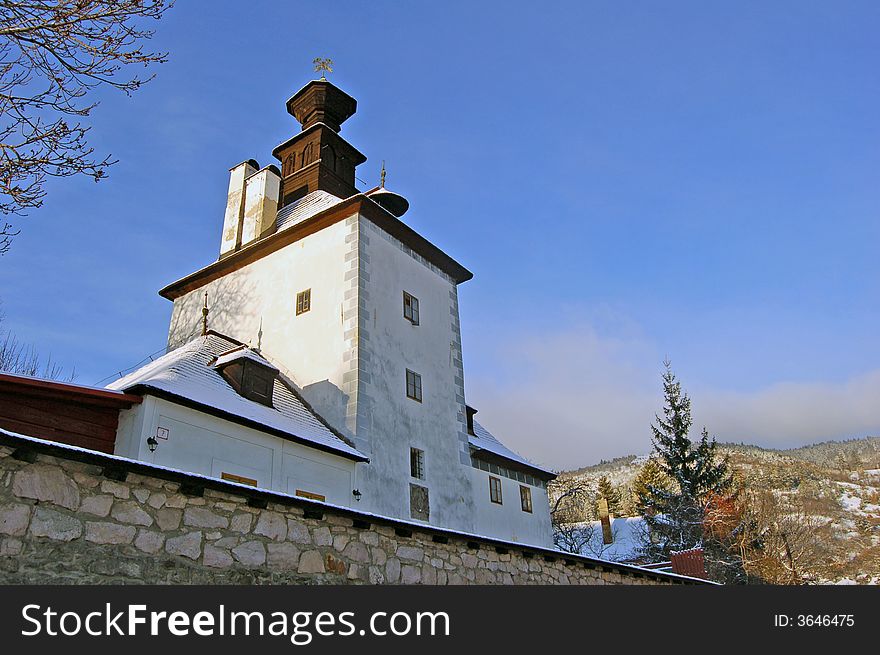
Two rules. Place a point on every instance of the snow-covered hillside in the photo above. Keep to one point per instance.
(835, 485)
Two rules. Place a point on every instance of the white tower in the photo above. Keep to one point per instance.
(357, 308)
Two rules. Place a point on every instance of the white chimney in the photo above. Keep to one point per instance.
(234, 218)
(261, 203)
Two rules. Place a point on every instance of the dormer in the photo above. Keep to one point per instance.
(252, 376)
(470, 411)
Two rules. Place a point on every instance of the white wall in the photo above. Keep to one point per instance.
(508, 520)
(308, 347)
(208, 445)
(349, 355)
(396, 422)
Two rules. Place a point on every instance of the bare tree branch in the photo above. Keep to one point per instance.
(52, 54)
(22, 359)
(781, 542)
(572, 502)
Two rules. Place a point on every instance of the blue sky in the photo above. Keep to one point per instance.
(627, 181)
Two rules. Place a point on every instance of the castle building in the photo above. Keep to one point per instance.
(320, 354)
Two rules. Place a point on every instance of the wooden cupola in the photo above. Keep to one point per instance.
(318, 158)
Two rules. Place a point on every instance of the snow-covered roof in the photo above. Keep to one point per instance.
(187, 373)
(306, 207)
(626, 533)
(482, 439)
(243, 352)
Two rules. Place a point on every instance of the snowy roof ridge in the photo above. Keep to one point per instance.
(187, 373)
(482, 439)
(242, 352)
(306, 207)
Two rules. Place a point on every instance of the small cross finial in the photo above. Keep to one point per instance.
(382, 176)
(323, 64)
(205, 316)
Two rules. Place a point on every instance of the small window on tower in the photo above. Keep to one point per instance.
(525, 496)
(417, 463)
(411, 308)
(303, 301)
(413, 385)
(419, 506)
(495, 489)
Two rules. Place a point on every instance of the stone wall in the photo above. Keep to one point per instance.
(69, 516)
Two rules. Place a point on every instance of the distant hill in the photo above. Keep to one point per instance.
(858, 452)
(837, 481)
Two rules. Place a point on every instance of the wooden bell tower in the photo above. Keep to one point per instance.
(318, 158)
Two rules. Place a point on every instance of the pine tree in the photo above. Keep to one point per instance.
(674, 512)
(610, 493)
(649, 475)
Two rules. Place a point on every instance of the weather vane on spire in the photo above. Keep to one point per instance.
(323, 64)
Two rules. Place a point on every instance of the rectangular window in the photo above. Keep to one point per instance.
(495, 490)
(417, 463)
(525, 497)
(257, 385)
(303, 301)
(419, 507)
(413, 385)
(411, 308)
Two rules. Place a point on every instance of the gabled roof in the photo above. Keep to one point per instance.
(186, 374)
(483, 440)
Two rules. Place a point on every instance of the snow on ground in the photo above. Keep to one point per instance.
(856, 499)
(850, 503)
(626, 538)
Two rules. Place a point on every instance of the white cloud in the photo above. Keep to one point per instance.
(794, 413)
(570, 398)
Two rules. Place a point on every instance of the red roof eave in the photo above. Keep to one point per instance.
(12, 383)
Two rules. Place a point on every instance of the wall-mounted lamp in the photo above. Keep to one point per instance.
(356, 493)
(152, 443)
